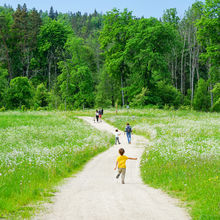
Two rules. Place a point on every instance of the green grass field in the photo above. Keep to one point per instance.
(182, 157)
(38, 150)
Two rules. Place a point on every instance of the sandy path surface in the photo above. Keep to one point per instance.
(95, 193)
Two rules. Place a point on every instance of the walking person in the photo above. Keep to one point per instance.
(117, 137)
(100, 115)
(121, 164)
(97, 116)
(128, 131)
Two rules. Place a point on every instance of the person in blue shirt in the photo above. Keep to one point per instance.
(128, 131)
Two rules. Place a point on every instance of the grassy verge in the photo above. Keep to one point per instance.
(182, 157)
(37, 151)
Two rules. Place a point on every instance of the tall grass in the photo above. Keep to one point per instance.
(37, 150)
(182, 157)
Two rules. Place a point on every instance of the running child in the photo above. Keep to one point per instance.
(121, 164)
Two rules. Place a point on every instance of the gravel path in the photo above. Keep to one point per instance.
(95, 193)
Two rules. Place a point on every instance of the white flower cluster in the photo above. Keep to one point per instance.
(46, 145)
(185, 139)
(173, 137)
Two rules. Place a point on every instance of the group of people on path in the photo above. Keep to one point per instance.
(98, 115)
(128, 131)
(121, 159)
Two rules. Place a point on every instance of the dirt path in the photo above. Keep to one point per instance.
(95, 193)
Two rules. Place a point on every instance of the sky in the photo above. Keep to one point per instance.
(146, 8)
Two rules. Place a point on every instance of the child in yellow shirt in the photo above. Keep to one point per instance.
(121, 164)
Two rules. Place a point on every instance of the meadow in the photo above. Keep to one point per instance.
(183, 155)
(37, 151)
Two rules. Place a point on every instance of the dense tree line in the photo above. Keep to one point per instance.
(71, 60)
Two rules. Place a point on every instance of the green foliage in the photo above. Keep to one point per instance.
(75, 82)
(76, 89)
(216, 94)
(52, 36)
(103, 96)
(41, 95)
(208, 36)
(187, 98)
(54, 100)
(140, 99)
(38, 150)
(168, 94)
(182, 156)
(113, 40)
(82, 80)
(19, 92)
(120, 53)
(147, 48)
(202, 97)
(23, 108)
(3, 85)
(170, 16)
(216, 106)
(2, 109)
(216, 91)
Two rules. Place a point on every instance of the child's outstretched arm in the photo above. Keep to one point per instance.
(116, 165)
(132, 158)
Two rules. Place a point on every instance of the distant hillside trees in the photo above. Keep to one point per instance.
(72, 60)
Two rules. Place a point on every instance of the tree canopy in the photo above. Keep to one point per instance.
(73, 60)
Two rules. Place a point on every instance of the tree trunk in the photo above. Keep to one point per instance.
(67, 83)
(175, 71)
(192, 75)
(197, 63)
(172, 73)
(50, 59)
(122, 92)
(190, 64)
(49, 74)
(211, 94)
(194, 64)
(182, 67)
(29, 57)
(55, 67)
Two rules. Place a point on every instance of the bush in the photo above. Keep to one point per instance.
(2, 109)
(61, 107)
(216, 98)
(171, 108)
(216, 106)
(140, 99)
(185, 107)
(151, 106)
(19, 92)
(23, 108)
(41, 96)
(168, 94)
(166, 107)
(40, 109)
(201, 100)
(3, 86)
(187, 98)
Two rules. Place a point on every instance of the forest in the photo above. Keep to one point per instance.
(53, 60)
